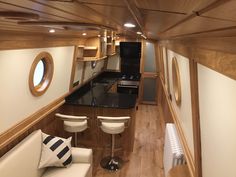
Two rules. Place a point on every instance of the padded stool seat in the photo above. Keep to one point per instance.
(112, 128)
(74, 124)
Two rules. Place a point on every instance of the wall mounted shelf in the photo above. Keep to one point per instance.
(85, 59)
(90, 48)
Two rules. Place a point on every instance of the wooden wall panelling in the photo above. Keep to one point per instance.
(73, 68)
(167, 73)
(43, 119)
(221, 62)
(195, 117)
(224, 63)
(164, 103)
(159, 58)
(23, 41)
(160, 61)
(140, 96)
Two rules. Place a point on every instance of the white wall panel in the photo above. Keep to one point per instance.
(78, 71)
(16, 100)
(217, 97)
(184, 110)
(114, 62)
(89, 72)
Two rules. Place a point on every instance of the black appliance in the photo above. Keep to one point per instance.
(130, 50)
(129, 87)
(129, 84)
(130, 53)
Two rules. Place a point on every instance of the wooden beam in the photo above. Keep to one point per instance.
(136, 13)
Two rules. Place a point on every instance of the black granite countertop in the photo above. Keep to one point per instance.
(98, 95)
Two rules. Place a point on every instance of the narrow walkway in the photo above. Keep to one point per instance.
(146, 159)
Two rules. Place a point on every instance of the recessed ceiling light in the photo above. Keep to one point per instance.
(138, 32)
(99, 35)
(52, 31)
(84, 34)
(129, 25)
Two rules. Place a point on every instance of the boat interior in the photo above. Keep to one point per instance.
(117, 88)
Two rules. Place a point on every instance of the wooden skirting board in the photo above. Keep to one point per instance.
(188, 155)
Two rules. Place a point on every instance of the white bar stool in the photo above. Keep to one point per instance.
(113, 126)
(74, 124)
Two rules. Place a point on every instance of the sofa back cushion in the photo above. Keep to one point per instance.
(23, 159)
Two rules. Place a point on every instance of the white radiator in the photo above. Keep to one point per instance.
(173, 153)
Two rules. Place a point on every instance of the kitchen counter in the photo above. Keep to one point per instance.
(98, 95)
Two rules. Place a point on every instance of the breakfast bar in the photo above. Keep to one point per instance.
(97, 100)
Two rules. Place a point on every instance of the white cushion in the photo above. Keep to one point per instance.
(56, 151)
(112, 128)
(75, 170)
(82, 155)
(23, 159)
(75, 126)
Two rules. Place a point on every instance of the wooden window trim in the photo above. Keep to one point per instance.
(176, 81)
(42, 87)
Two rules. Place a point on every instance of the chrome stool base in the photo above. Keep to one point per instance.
(111, 163)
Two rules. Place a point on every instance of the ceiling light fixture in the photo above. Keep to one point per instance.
(52, 31)
(138, 32)
(144, 36)
(129, 25)
(99, 35)
(108, 36)
(84, 34)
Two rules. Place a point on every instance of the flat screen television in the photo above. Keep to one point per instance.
(130, 50)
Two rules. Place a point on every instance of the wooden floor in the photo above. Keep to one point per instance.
(146, 159)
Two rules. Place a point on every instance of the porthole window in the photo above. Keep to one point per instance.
(41, 73)
(38, 73)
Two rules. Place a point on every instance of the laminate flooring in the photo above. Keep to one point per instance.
(146, 158)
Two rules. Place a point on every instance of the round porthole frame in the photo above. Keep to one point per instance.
(45, 82)
(176, 81)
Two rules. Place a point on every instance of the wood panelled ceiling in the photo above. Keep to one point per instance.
(157, 19)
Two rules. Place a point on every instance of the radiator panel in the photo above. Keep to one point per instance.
(173, 153)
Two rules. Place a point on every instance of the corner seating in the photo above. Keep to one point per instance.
(23, 160)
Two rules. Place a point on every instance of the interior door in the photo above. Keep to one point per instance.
(149, 74)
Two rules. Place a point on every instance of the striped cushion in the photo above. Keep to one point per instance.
(56, 151)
